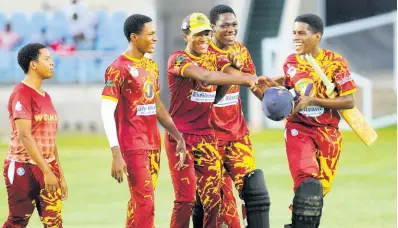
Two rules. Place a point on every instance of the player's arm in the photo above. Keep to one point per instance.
(64, 188)
(343, 102)
(24, 128)
(345, 87)
(216, 77)
(108, 107)
(110, 97)
(222, 90)
(167, 122)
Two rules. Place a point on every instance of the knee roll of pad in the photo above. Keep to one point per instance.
(257, 201)
(255, 192)
(307, 204)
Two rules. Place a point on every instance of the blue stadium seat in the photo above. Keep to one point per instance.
(38, 21)
(89, 70)
(66, 69)
(5, 67)
(59, 27)
(119, 16)
(3, 21)
(20, 25)
(101, 16)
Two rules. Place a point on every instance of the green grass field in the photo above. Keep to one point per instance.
(363, 195)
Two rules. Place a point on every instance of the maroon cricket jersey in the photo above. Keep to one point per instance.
(133, 83)
(191, 100)
(227, 116)
(300, 75)
(28, 103)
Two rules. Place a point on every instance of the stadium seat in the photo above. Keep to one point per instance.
(38, 21)
(20, 25)
(101, 16)
(58, 28)
(66, 69)
(3, 21)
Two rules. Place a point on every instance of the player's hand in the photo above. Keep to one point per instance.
(252, 82)
(181, 151)
(263, 83)
(236, 59)
(64, 189)
(50, 181)
(303, 102)
(118, 165)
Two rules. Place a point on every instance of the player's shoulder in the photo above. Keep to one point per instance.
(178, 57)
(291, 59)
(178, 53)
(333, 56)
(239, 46)
(150, 62)
(119, 63)
(21, 90)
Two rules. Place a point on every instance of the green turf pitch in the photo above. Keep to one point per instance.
(363, 195)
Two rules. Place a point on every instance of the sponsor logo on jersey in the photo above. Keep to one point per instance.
(228, 100)
(146, 110)
(199, 96)
(312, 111)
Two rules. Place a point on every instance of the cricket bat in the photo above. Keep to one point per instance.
(353, 117)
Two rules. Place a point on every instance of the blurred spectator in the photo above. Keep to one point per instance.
(75, 7)
(63, 48)
(40, 37)
(82, 31)
(9, 39)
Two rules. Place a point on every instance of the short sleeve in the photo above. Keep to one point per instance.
(342, 78)
(21, 105)
(178, 63)
(222, 62)
(248, 64)
(287, 82)
(113, 82)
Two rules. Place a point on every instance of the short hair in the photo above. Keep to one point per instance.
(314, 22)
(28, 53)
(217, 10)
(134, 24)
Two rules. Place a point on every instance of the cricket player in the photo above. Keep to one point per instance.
(313, 140)
(32, 170)
(232, 133)
(130, 106)
(192, 75)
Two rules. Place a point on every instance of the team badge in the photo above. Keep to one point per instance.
(291, 71)
(133, 71)
(179, 60)
(18, 106)
(20, 171)
(294, 132)
(149, 92)
(109, 83)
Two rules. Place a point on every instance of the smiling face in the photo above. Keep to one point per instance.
(226, 29)
(198, 43)
(304, 40)
(146, 39)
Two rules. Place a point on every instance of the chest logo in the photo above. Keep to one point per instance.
(133, 71)
(149, 90)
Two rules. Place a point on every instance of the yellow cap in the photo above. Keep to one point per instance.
(196, 23)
